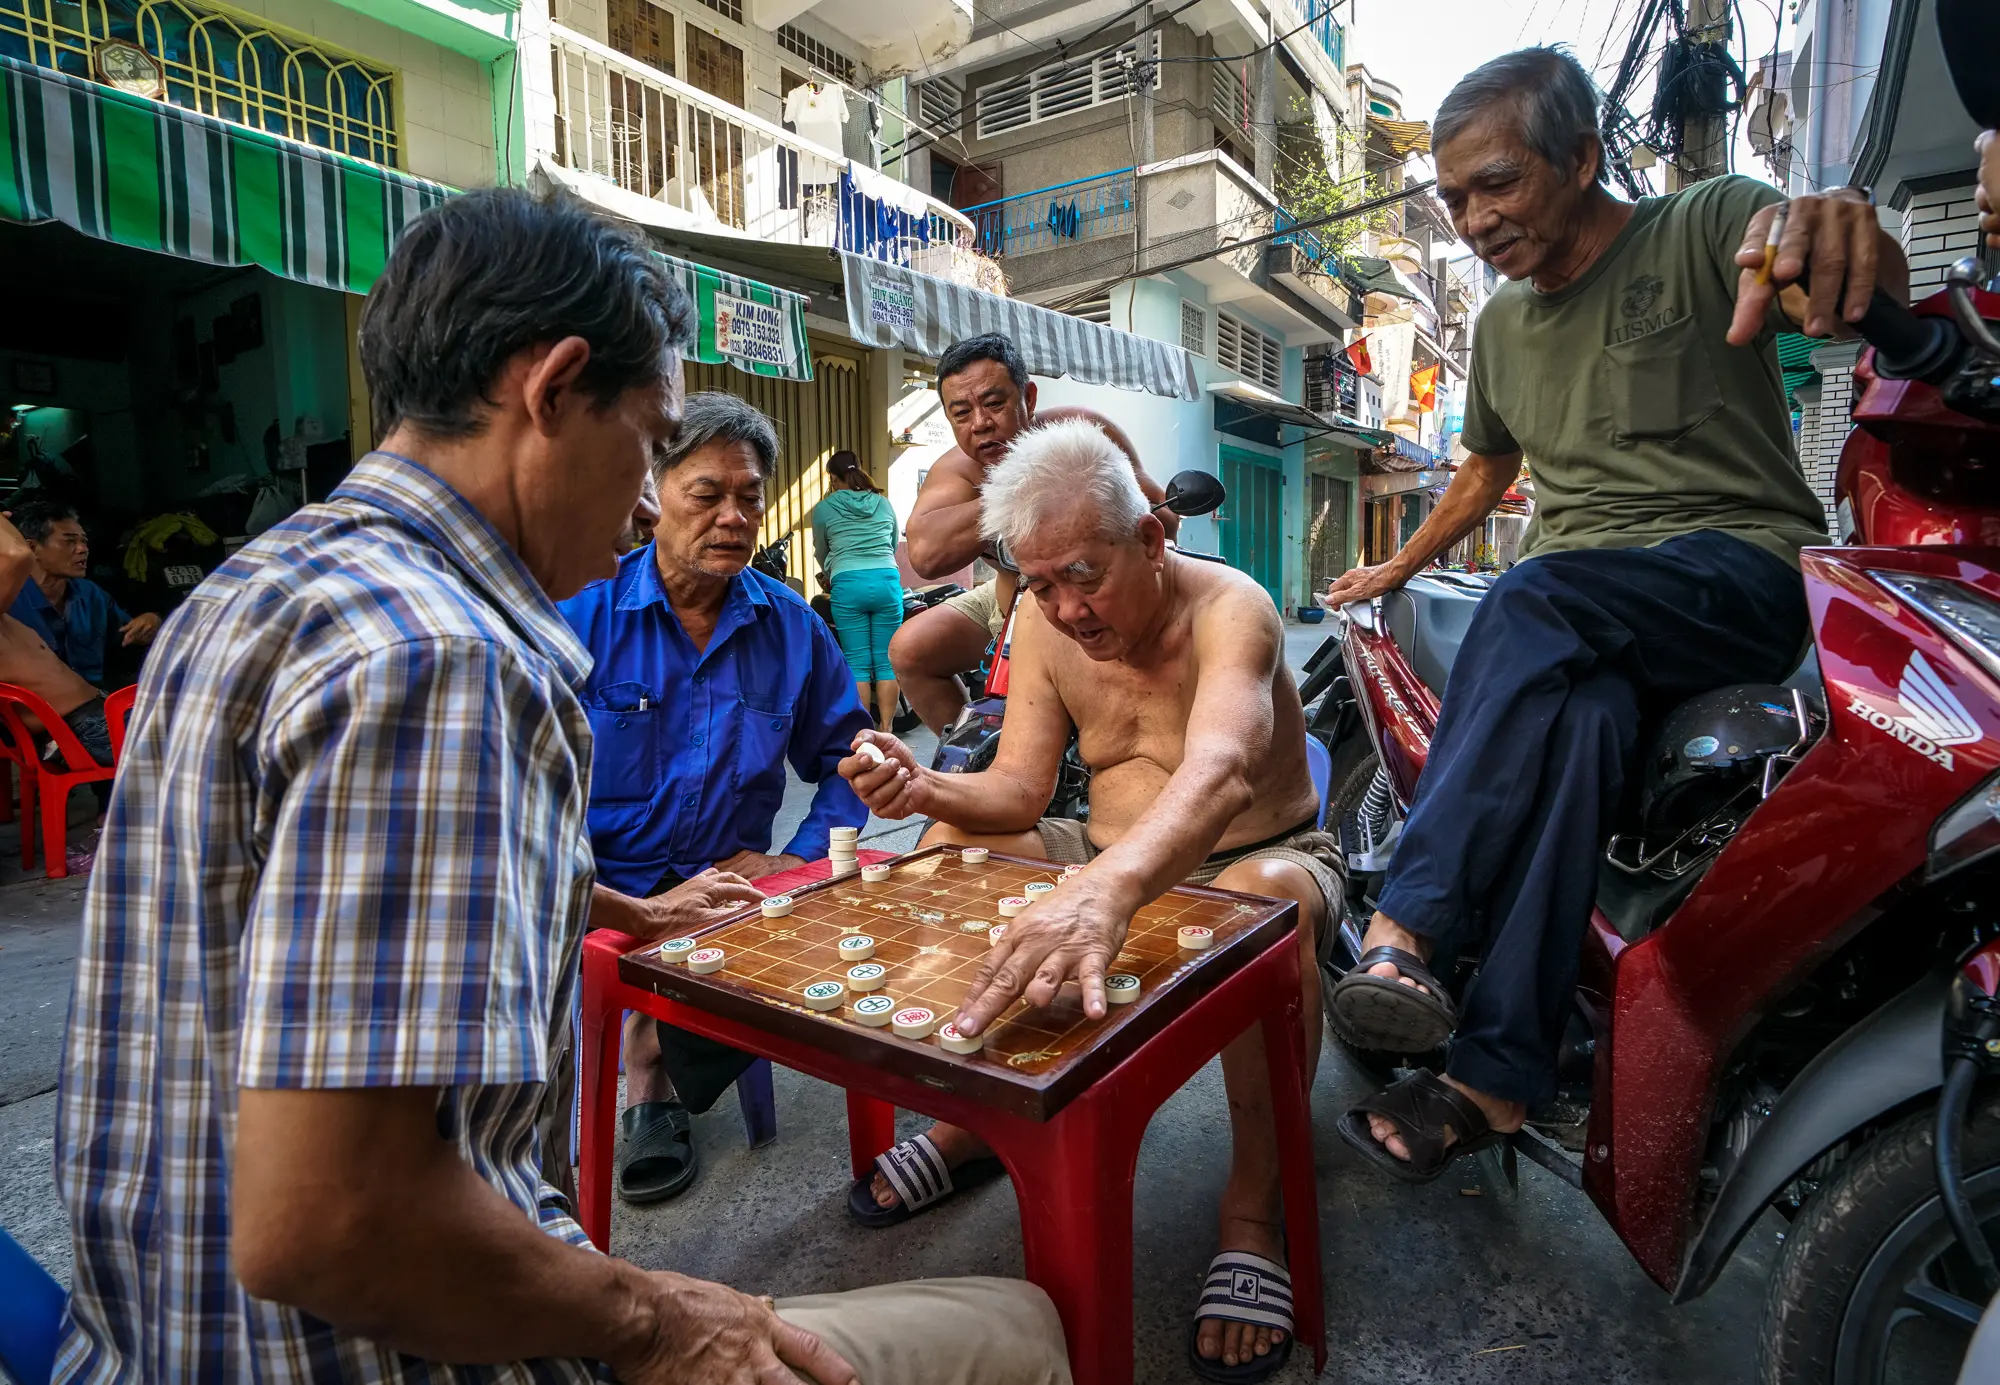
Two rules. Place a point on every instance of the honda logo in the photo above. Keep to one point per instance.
(1933, 717)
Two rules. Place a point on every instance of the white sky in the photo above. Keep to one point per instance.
(1424, 46)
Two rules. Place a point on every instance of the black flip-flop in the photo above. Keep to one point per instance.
(1381, 1013)
(1422, 1107)
(658, 1160)
(1244, 1288)
(921, 1179)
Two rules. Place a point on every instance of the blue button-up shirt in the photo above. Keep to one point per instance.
(691, 745)
(79, 632)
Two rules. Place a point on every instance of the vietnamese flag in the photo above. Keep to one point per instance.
(1423, 387)
(1357, 356)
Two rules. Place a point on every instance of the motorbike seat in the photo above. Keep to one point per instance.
(1428, 618)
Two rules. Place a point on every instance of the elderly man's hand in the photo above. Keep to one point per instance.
(1362, 584)
(1074, 932)
(1988, 145)
(1834, 235)
(893, 785)
(694, 904)
(708, 1334)
(754, 865)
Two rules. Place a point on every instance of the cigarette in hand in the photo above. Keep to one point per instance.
(1771, 240)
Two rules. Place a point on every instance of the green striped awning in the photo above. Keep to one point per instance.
(141, 173)
(1795, 360)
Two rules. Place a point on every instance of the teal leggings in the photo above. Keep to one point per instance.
(867, 608)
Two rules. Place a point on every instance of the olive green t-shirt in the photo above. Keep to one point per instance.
(1638, 419)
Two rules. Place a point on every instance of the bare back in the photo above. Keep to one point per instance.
(1132, 721)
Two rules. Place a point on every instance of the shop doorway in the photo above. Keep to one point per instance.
(1327, 552)
(1250, 525)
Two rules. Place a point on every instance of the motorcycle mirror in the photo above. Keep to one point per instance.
(1969, 32)
(1193, 493)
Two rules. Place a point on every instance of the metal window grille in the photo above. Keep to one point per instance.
(938, 104)
(728, 9)
(1096, 310)
(1194, 329)
(803, 45)
(232, 66)
(1058, 89)
(1247, 351)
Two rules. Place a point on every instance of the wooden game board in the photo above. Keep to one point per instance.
(1035, 1060)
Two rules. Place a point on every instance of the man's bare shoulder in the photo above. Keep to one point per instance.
(952, 479)
(1226, 603)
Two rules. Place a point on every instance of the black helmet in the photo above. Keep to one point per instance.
(1708, 748)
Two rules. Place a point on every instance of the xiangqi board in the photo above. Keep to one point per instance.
(931, 923)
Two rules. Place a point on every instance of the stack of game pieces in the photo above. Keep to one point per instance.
(842, 845)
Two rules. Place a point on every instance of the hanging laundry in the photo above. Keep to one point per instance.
(817, 112)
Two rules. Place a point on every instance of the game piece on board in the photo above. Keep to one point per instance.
(995, 934)
(824, 995)
(1070, 873)
(914, 1023)
(974, 855)
(706, 960)
(1012, 904)
(866, 977)
(874, 752)
(1121, 989)
(974, 926)
(874, 1010)
(1195, 938)
(1039, 887)
(777, 906)
(677, 949)
(951, 1041)
(858, 948)
(874, 875)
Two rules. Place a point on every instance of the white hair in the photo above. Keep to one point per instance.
(1048, 472)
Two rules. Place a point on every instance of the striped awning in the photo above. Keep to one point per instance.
(888, 305)
(759, 329)
(135, 171)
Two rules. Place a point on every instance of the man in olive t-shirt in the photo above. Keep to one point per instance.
(1631, 361)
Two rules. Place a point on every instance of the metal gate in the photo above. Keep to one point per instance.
(815, 418)
(1327, 555)
(1251, 523)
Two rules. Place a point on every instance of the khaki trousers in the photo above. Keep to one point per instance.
(940, 1332)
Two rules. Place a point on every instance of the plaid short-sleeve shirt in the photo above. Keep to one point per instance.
(346, 848)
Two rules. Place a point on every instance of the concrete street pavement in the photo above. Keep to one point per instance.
(1457, 1281)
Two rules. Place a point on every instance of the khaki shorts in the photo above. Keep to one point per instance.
(1315, 852)
(981, 605)
(940, 1332)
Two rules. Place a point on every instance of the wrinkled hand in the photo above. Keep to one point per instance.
(694, 904)
(1988, 145)
(1074, 932)
(1832, 234)
(898, 787)
(1361, 584)
(754, 865)
(140, 629)
(708, 1334)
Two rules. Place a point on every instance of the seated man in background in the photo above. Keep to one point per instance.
(708, 677)
(71, 613)
(987, 398)
(1171, 671)
(27, 661)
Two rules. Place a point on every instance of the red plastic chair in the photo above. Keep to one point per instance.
(41, 780)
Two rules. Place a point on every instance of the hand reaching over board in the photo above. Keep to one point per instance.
(1073, 932)
(886, 776)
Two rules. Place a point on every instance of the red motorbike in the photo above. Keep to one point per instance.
(1787, 990)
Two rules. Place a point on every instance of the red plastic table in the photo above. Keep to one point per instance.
(1073, 1174)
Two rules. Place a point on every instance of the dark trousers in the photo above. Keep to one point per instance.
(701, 1068)
(1535, 745)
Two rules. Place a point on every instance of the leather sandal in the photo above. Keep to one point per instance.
(1423, 1108)
(1381, 1013)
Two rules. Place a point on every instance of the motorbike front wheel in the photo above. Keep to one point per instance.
(1871, 1287)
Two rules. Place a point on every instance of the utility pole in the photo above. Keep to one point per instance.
(1705, 136)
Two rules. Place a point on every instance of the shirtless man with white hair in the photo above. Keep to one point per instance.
(1171, 670)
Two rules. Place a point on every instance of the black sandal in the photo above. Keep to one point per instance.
(658, 1159)
(1381, 1013)
(1422, 1108)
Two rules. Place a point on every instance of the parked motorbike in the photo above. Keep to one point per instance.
(969, 744)
(1798, 922)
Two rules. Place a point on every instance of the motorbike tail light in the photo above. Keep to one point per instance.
(992, 722)
(1969, 619)
(1968, 833)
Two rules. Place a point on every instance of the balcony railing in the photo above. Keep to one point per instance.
(1063, 214)
(634, 126)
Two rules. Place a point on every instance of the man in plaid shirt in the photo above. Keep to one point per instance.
(331, 943)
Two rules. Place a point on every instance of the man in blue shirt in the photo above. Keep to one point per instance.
(708, 678)
(71, 613)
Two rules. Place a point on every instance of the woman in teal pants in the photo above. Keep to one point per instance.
(854, 537)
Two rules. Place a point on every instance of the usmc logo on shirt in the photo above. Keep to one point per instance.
(1641, 294)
